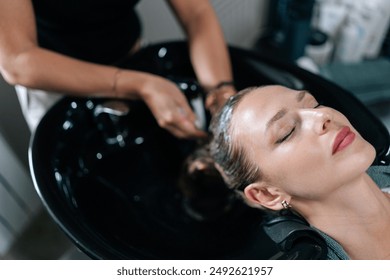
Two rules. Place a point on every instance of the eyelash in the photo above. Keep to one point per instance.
(287, 136)
(284, 138)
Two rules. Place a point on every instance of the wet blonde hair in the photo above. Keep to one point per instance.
(230, 157)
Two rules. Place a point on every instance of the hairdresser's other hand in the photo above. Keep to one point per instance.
(217, 98)
(170, 107)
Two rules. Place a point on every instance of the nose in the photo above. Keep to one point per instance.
(320, 119)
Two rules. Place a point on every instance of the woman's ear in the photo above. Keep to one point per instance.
(260, 193)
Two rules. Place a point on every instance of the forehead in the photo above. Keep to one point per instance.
(259, 104)
(268, 93)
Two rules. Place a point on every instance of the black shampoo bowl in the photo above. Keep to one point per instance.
(108, 174)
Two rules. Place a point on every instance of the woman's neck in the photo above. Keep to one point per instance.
(357, 216)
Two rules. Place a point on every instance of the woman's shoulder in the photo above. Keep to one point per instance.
(381, 175)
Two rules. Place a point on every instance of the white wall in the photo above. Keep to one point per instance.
(242, 21)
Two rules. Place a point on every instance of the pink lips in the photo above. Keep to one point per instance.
(343, 139)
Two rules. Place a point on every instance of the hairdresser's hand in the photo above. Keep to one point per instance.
(217, 98)
(170, 107)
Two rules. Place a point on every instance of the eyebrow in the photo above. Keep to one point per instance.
(277, 117)
(280, 114)
(301, 95)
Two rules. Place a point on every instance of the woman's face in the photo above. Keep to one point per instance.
(301, 147)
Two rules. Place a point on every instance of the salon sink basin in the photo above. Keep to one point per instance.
(108, 174)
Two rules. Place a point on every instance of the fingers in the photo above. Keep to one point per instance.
(181, 122)
(179, 119)
(185, 131)
(170, 108)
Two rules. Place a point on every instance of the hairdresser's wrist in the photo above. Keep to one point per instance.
(221, 86)
(129, 84)
(218, 96)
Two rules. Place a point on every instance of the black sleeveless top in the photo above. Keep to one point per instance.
(100, 31)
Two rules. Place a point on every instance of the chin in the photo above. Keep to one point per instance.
(365, 157)
(358, 158)
(372, 154)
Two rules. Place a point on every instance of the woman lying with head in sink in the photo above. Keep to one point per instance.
(281, 149)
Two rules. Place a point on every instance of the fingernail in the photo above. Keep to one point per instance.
(198, 124)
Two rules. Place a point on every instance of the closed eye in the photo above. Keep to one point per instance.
(285, 137)
(291, 132)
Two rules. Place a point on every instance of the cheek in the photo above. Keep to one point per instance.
(358, 158)
(296, 165)
(301, 155)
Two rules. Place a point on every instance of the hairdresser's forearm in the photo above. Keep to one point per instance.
(210, 61)
(208, 50)
(47, 70)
